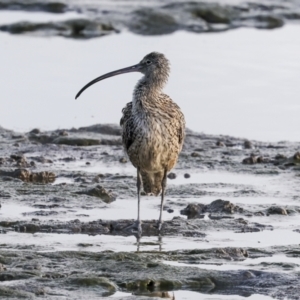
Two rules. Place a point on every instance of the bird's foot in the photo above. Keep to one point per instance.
(159, 226)
(135, 228)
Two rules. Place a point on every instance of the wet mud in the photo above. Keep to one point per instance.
(99, 19)
(231, 222)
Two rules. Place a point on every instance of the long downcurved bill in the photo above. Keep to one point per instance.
(135, 68)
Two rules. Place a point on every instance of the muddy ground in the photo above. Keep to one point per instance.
(97, 19)
(231, 218)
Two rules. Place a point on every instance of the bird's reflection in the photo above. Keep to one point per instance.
(140, 243)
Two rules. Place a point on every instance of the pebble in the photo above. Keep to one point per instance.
(172, 175)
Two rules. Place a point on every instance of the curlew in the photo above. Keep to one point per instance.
(153, 128)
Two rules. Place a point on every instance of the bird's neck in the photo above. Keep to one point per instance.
(147, 91)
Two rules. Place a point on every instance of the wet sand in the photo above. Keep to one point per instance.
(231, 229)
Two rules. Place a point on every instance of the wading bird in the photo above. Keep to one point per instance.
(153, 128)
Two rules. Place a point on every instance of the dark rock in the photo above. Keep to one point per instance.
(52, 7)
(35, 131)
(219, 217)
(171, 175)
(186, 175)
(28, 176)
(196, 210)
(248, 145)
(222, 206)
(214, 15)
(276, 210)
(280, 157)
(63, 133)
(297, 156)
(77, 28)
(41, 159)
(220, 144)
(73, 141)
(254, 159)
(250, 160)
(84, 245)
(100, 192)
(149, 21)
(2, 268)
(109, 129)
(123, 160)
(268, 22)
(193, 210)
(195, 154)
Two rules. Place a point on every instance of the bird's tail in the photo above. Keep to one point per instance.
(152, 182)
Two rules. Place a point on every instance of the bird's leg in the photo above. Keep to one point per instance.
(139, 184)
(137, 224)
(163, 188)
(160, 243)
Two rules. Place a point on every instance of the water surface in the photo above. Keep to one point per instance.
(242, 82)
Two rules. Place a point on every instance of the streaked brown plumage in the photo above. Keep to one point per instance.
(153, 127)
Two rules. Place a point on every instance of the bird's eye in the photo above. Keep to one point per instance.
(148, 62)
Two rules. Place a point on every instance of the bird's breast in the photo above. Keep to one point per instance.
(152, 148)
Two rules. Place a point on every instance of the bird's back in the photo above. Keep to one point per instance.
(152, 137)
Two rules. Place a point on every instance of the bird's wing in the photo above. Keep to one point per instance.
(176, 116)
(127, 125)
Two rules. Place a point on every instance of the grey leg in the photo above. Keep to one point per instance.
(163, 189)
(139, 184)
(137, 225)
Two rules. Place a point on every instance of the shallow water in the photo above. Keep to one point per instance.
(187, 295)
(246, 77)
(246, 264)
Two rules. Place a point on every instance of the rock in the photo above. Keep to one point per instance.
(250, 160)
(186, 175)
(84, 245)
(123, 160)
(2, 268)
(28, 176)
(194, 210)
(172, 175)
(280, 157)
(108, 129)
(195, 154)
(220, 144)
(297, 156)
(277, 210)
(20, 161)
(222, 206)
(248, 144)
(73, 141)
(104, 286)
(63, 133)
(148, 21)
(75, 28)
(254, 159)
(100, 192)
(268, 22)
(41, 159)
(35, 131)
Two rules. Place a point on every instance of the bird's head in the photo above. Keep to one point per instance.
(154, 66)
(154, 63)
